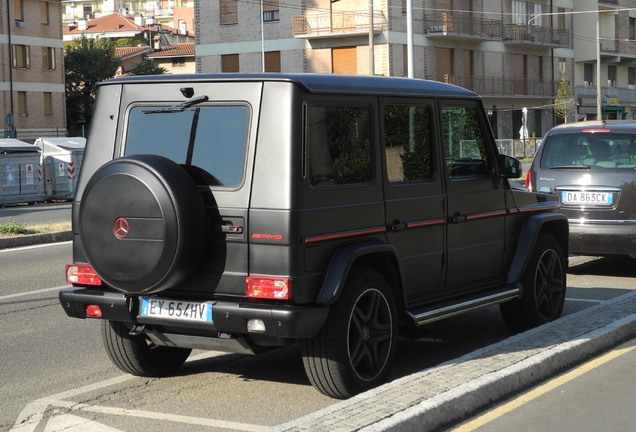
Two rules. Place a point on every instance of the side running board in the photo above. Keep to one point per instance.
(458, 306)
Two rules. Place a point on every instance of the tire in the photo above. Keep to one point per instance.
(142, 224)
(138, 356)
(544, 285)
(354, 350)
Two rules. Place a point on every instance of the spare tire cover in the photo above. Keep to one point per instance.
(142, 223)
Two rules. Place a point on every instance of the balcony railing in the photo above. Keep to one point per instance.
(536, 34)
(335, 23)
(489, 86)
(461, 24)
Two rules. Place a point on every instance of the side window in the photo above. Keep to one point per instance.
(408, 141)
(338, 145)
(463, 141)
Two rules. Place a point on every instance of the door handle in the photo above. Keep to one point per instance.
(457, 218)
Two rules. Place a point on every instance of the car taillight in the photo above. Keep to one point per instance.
(529, 180)
(82, 274)
(265, 287)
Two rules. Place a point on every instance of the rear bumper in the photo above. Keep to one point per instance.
(281, 321)
(603, 238)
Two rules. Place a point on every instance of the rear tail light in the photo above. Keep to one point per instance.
(529, 180)
(268, 287)
(82, 274)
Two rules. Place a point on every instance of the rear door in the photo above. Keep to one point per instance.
(476, 198)
(413, 194)
(214, 140)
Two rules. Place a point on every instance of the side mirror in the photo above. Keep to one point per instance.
(511, 167)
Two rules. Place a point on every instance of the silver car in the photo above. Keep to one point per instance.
(591, 166)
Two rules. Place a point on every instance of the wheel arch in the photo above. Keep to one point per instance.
(379, 256)
(555, 224)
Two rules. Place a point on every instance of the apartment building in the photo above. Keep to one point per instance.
(607, 38)
(174, 13)
(511, 52)
(32, 98)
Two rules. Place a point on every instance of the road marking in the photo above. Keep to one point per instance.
(541, 390)
(36, 246)
(28, 293)
(584, 300)
(34, 415)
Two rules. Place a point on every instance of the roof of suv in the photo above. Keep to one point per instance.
(320, 83)
(611, 125)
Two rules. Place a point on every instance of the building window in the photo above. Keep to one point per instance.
(272, 61)
(230, 63)
(611, 76)
(228, 12)
(561, 18)
(18, 10)
(48, 103)
(588, 74)
(21, 56)
(519, 13)
(270, 11)
(562, 66)
(178, 62)
(44, 13)
(631, 77)
(48, 58)
(22, 103)
(88, 11)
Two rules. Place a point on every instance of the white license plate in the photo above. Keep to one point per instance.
(176, 310)
(589, 198)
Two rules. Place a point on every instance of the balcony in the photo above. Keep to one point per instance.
(336, 24)
(519, 34)
(618, 50)
(462, 25)
(500, 87)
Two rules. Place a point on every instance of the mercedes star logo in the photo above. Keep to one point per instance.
(121, 229)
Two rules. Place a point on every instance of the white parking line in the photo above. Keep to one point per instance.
(584, 300)
(29, 293)
(33, 415)
(35, 246)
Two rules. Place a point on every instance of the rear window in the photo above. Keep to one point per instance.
(210, 141)
(589, 150)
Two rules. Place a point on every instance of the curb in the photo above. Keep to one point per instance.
(454, 391)
(32, 239)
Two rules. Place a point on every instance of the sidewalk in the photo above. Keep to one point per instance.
(442, 396)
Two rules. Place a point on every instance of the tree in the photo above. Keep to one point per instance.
(148, 67)
(87, 62)
(563, 104)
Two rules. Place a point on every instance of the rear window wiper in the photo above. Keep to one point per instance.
(179, 107)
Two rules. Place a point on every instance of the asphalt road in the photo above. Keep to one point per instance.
(35, 214)
(56, 376)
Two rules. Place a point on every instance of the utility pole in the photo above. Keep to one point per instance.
(10, 131)
(371, 46)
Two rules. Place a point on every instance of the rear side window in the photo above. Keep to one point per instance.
(407, 134)
(589, 150)
(338, 145)
(209, 141)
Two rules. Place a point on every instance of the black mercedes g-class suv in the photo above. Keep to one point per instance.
(240, 212)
